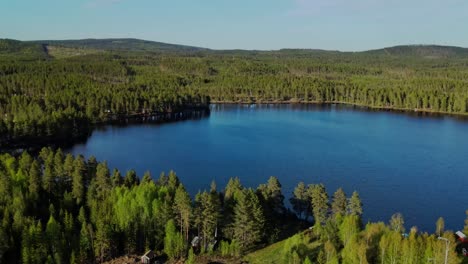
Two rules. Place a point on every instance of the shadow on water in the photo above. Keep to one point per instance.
(159, 119)
(64, 142)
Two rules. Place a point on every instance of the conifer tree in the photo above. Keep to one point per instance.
(300, 200)
(319, 200)
(339, 205)
(183, 210)
(78, 188)
(355, 205)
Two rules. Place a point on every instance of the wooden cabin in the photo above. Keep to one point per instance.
(148, 257)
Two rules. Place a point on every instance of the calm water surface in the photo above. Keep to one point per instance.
(398, 163)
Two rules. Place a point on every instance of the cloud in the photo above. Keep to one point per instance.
(101, 3)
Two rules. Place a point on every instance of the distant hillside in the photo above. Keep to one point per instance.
(426, 51)
(20, 49)
(69, 48)
(119, 45)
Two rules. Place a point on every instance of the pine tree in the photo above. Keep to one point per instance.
(319, 200)
(248, 219)
(78, 188)
(34, 180)
(300, 200)
(102, 240)
(103, 179)
(131, 179)
(68, 168)
(116, 179)
(147, 177)
(339, 203)
(54, 239)
(86, 250)
(231, 195)
(183, 210)
(355, 205)
(49, 180)
(173, 181)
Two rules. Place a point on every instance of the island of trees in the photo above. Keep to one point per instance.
(57, 208)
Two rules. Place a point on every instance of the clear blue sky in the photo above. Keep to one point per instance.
(243, 24)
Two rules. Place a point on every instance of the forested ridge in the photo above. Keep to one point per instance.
(59, 208)
(60, 89)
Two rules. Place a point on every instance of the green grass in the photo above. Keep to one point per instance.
(274, 253)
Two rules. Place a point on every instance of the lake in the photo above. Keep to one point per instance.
(397, 162)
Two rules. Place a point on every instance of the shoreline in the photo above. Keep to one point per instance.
(368, 107)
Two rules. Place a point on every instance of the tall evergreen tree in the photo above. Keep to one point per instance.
(300, 200)
(78, 185)
(319, 200)
(339, 203)
(355, 204)
(34, 180)
(248, 219)
(183, 210)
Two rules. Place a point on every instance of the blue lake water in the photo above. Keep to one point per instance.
(397, 162)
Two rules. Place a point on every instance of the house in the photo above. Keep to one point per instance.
(462, 237)
(148, 257)
(196, 242)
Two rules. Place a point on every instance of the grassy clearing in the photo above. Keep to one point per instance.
(66, 52)
(275, 253)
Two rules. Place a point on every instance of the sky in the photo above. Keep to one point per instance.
(346, 25)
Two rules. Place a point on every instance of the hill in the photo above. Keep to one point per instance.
(16, 49)
(119, 44)
(67, 48)
(425, 51)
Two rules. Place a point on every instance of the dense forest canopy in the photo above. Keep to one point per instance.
(57, 208)
(52, 88)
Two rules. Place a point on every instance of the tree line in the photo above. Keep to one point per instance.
(59, 208)
(62, 98)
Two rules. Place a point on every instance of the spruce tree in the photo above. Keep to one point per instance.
(300, 200)
(319, 200)
(355, 205)
(339, 202)
(78, 187)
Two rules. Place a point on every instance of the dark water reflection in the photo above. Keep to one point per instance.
(397, 162)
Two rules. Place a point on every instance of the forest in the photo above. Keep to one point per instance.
(59, 208)
(57, 91)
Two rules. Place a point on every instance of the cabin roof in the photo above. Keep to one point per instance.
(460, 234)
(149, 254)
